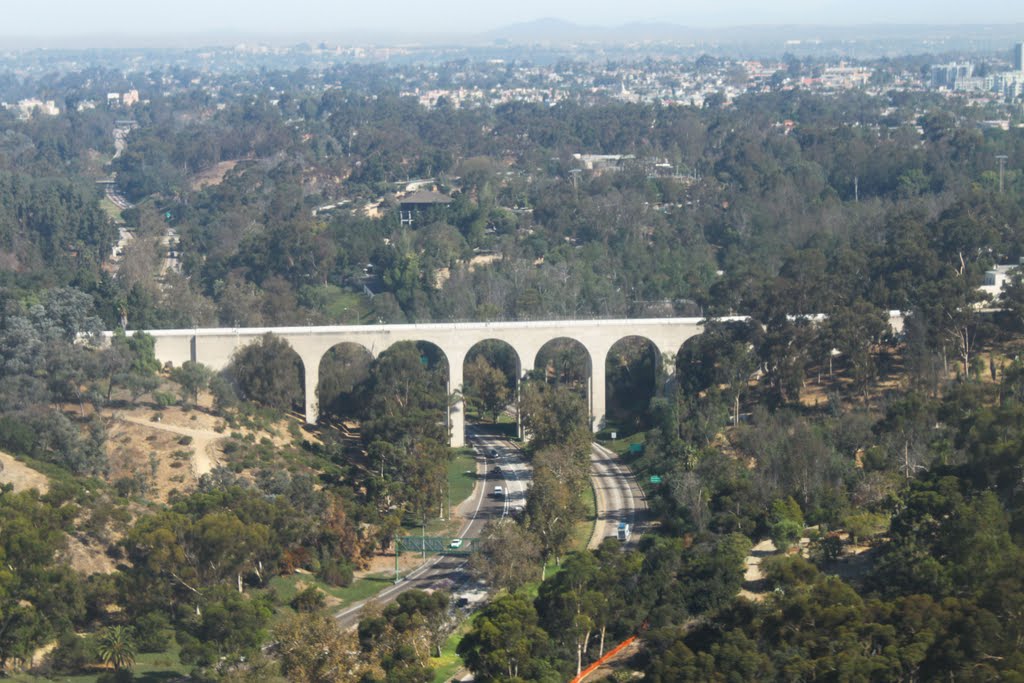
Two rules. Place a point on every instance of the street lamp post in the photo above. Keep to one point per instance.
(397, 577)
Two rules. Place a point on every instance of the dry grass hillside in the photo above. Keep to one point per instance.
(169, 449)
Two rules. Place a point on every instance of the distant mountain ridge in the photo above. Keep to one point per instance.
(554, 31)
(750, 40)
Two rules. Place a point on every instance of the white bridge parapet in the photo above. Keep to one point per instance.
(215, 347)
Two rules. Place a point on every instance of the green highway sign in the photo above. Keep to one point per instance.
(655, 479)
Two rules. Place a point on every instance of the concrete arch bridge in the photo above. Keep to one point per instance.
(215, 347)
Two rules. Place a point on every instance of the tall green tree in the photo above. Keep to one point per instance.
(486, 388)
(192, 377)
(506, 555)
(506, 642)
(268, 371)
(116, 647)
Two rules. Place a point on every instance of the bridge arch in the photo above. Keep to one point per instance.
(213, 347)
(342, 368)
(565, 360)
(482, 390)
(571, 362)
(633, 370)
(406, 359)
(269, 370)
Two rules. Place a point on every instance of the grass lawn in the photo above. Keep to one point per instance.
(448, 664)
(110, 208)
(150, 667)
(461, 484)
(343, 306)
(286, 588)
(505, 426)
(585, 527)
(460, 487)
(621, 446)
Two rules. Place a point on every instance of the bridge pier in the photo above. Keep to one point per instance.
(520, 432)
(664, 374)
(311, 372)
(597, 388)
(456, 404)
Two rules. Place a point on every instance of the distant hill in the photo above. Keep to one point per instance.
(901, 37)
(865, 40)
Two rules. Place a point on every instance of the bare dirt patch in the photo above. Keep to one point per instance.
(202, 448)
(758, 553)
(620, 662)
(213, 175)
(86, 558)
(136, 448)
(384, 562)
(172, 448)
(21, 475)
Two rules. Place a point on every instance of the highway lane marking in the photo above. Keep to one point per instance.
(625, 475)
(600, 528)
(429, 564)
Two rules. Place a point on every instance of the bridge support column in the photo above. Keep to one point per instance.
(526, 362)
(597, 391)
(311, 368)
(520, 432)
(457, 408)
(666, 371)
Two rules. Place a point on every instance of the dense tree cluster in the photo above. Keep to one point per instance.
(780, 425)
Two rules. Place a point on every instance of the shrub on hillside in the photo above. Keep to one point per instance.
(309, 600)
(336, 573)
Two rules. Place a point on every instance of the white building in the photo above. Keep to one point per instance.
(996, 279)
(26, 108)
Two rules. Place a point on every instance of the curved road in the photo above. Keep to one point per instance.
(619, 497)
(481, 507)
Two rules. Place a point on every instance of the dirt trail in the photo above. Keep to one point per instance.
(21, 475)
(757, 553)
(203, 445)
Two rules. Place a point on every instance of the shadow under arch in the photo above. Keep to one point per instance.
(564, 360)
(412, 372)
(633, 371)
(343, 369)
(484, 391)
(269, 371)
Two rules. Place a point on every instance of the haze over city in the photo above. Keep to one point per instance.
(66, 17)
(511, 342)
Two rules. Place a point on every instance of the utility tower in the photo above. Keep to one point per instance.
(1002, 168)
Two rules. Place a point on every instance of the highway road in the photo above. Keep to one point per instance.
(449, 571)
(619, 497)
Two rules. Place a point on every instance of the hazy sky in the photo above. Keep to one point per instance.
(74, 17)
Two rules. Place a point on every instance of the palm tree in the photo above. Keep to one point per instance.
(116, 647)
